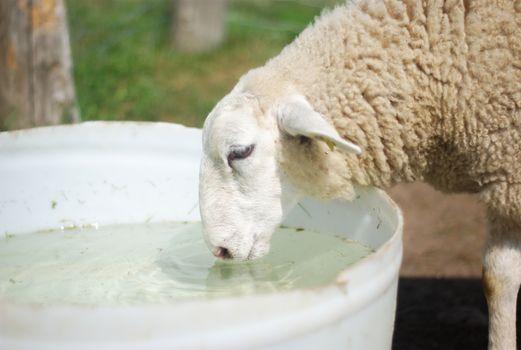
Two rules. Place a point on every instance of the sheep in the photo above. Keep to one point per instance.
(375, 93)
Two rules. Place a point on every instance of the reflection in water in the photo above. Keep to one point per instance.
(246, 277)
(160, 263)
(298, 259)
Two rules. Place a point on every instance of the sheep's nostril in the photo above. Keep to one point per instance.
(222, 253)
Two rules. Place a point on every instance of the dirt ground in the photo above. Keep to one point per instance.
(443, 234)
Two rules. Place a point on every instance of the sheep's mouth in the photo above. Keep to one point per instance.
(251, 253)
(257, 250)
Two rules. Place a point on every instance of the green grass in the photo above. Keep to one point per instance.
(125, 69)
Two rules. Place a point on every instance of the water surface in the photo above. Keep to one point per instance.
(159, 263)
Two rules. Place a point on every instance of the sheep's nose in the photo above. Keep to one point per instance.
(222, 253)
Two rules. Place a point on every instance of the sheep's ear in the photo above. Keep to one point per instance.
(297, 118)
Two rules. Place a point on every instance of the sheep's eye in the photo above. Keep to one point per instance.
(239, 152)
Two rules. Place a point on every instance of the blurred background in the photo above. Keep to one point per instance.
(128, 64)
(172, 60)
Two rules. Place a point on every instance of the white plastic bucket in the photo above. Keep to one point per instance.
(103, 173)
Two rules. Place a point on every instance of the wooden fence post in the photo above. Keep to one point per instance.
(36, 84)
(198, 25)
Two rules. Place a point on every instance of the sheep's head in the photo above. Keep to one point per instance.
(243, 191)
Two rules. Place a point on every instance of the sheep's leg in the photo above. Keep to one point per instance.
(501, 281)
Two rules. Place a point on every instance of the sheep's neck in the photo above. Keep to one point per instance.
(388, 79)
(364, 78)
(413, 92)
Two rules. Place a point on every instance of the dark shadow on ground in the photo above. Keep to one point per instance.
(448, 313)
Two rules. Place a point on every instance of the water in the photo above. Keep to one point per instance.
(159, 263)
